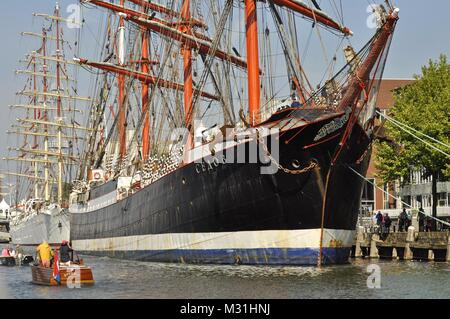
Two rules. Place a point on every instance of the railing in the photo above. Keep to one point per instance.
(442, 211)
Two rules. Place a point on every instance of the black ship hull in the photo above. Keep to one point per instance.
(225, 213)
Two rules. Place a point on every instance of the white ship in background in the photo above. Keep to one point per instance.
(48, 137)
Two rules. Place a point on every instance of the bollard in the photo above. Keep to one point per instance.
(411, 234)
(373, 246)
(359, 240)
(448, 248)
(410, 238)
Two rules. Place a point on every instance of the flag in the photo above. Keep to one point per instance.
(56, 274)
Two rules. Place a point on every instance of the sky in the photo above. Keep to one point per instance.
(423, 32)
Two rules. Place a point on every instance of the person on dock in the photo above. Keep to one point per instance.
(386, 226)
(402, 220)
(408, 220)
(64, 253)
(421, 216)
(429, 224)
(45, 253)
(379, 218)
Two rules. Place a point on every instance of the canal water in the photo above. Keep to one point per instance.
(130, 279)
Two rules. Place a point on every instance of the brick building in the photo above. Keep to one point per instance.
(417, 192)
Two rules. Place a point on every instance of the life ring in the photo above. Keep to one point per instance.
(97, 175)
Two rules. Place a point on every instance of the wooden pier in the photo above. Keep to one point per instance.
(411, 245)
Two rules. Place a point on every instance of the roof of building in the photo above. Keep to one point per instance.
(385, 94)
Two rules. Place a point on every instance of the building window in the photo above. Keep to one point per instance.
(390, 196)
(442, 199)
(426, 200)
(418, 201)
(368, 190)
(368, 196)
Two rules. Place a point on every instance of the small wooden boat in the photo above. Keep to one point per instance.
(70, 276)
(7, 261)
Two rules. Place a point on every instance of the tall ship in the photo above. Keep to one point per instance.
(47, 134)
(212, 140)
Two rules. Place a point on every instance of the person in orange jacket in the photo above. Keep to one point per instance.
(45, 253)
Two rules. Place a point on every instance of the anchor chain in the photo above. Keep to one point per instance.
(304, 170)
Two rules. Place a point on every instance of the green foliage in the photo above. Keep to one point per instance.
(424, 106)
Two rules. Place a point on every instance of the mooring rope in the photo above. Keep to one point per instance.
(407, 130)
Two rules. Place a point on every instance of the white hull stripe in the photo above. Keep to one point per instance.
(308, 238)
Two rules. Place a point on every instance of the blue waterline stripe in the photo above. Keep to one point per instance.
(261, 256)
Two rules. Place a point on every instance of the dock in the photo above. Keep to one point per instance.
(410, 245)
(5, 237)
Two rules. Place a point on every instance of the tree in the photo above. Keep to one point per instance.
(425, 106)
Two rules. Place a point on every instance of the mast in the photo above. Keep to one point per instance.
(121, 84)
(187, 67)
(145, 105)
(58, 112)
(254, 94)
(36, 169)
(46, 170)
(355, 86)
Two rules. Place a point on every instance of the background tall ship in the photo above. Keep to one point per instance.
(48, 137)
(232, 74)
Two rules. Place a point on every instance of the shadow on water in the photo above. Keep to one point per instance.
(129, 279)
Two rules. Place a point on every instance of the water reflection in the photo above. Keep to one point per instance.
(129, 279)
